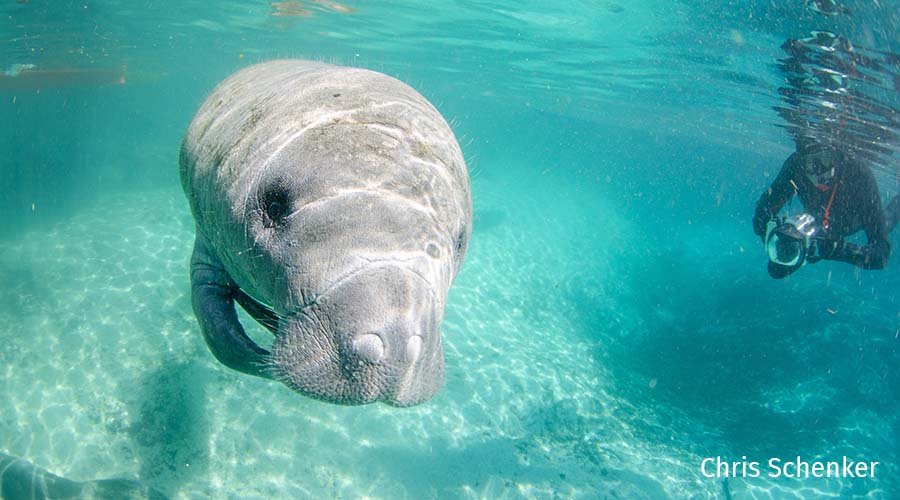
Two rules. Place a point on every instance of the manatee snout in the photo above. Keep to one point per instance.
(373, 336)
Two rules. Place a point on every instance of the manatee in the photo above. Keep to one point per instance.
(333, 205)
(21, 480)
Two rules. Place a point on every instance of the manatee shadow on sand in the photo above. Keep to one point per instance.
(170, 433)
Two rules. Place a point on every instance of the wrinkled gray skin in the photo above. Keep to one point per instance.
(333, 205)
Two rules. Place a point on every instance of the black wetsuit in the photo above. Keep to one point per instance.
(852, 201)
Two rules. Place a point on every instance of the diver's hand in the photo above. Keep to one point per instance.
(812, 253)
(823, 248)
(759, 226)
(761, 223)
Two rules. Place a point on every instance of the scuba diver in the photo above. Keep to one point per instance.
(840, 196)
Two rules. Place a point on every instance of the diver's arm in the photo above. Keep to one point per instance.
(779, 193)
(873, 255)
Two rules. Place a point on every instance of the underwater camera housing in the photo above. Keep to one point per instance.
(788, 243)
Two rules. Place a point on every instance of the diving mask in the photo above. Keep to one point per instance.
(818, 163)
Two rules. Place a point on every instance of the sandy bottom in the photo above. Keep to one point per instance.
(106, 375)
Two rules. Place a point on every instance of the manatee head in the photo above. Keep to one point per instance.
(354, 245)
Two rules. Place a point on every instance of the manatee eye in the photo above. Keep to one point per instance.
(275, 206)
(432, 250)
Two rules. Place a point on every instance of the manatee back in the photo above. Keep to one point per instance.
(253, 115)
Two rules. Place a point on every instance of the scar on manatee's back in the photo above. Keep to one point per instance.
(218, 156)
(255, 115)
(423, 150)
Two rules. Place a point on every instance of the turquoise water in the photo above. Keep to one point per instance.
(613, 323)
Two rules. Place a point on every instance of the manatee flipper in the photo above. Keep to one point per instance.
(21, 480)
(258, 311)
(212, 295)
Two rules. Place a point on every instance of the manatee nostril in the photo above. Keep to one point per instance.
(413, 348)
(370, 347)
